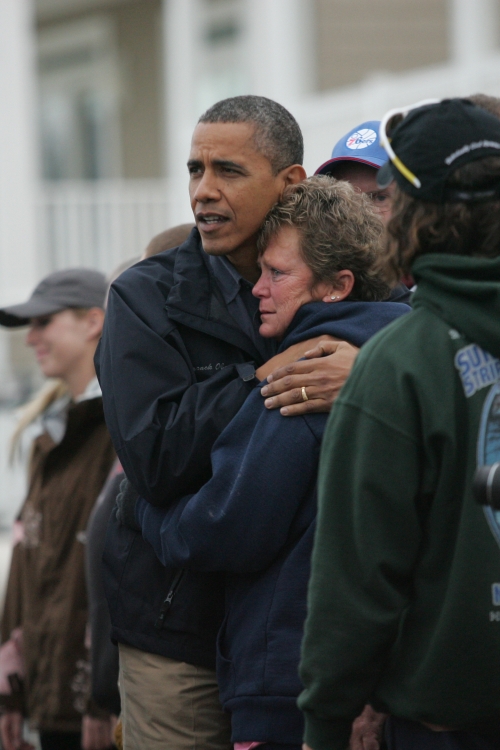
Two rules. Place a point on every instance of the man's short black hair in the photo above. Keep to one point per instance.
(277, 132)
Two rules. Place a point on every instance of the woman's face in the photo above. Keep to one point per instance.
(62, 342)
(286, 283)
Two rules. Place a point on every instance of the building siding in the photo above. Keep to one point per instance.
(357, 38)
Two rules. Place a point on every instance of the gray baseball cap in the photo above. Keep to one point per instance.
(73, 287)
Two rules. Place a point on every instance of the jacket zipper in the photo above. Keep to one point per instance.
(168, 600)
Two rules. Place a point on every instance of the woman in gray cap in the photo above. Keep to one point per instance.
(45, 611)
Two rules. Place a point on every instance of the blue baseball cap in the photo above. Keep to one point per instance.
(361, 144)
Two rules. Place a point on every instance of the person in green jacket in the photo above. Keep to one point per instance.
(404, 598)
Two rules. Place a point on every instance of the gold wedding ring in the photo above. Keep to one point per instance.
(305, 397)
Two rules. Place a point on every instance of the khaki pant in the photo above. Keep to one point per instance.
(170, 705)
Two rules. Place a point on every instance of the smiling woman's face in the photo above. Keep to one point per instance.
(286, 283)
(64, 341)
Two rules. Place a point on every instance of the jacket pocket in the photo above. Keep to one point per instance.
(193, 603)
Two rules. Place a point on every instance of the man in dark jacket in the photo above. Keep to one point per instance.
(177, 360)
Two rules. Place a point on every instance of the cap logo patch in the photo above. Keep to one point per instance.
(470, 147)
(361, 139)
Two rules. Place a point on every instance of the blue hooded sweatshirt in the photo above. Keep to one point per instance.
(255, 521)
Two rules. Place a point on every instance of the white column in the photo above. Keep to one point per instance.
(473, 29)
(280, 48)
(18, 150)
(180, 56)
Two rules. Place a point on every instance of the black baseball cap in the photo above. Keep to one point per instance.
(71, 288)
(431, 142)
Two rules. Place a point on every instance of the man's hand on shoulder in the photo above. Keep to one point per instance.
(322, 374)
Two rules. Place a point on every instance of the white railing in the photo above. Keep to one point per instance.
(100, 224)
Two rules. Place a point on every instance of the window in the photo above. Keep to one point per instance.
(79, 100)
(221, 31)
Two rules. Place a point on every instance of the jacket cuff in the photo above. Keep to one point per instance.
(246, 371)
(326, 734)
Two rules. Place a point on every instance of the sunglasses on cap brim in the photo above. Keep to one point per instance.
(389, 122)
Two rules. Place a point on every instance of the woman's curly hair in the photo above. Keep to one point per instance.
(462, 228)
(338, 231)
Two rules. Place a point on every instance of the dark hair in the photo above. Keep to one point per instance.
(490, 103)
(465, 228)
(277, 132)
(338, 230)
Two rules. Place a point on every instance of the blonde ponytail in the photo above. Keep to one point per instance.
(46, 396)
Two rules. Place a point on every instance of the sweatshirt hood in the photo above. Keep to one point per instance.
(354, 322)
(465, 292)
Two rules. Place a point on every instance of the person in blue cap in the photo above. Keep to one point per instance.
(356, 158)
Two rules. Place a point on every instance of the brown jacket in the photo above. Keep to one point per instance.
(46, 593)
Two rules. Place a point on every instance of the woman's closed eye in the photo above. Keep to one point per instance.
(275, 273)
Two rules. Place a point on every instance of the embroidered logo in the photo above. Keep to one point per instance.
(477, 368)
(470, 147)
(210, 367)
(361, 139)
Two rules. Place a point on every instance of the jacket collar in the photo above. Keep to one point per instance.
(349, 320)
(196, 301)
(54, 419)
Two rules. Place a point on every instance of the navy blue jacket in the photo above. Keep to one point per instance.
(254, 521)
(174, 369)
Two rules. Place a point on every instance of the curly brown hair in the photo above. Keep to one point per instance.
(458, 228)
(338, 231)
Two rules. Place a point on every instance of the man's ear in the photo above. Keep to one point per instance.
(344, 284)
(293, 174)
(95, 321)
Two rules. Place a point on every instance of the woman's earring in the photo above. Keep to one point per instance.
(333, 297)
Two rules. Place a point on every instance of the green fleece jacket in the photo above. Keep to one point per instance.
(404, 598)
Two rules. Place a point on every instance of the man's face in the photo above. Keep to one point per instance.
(364, 178)
(231, 186)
